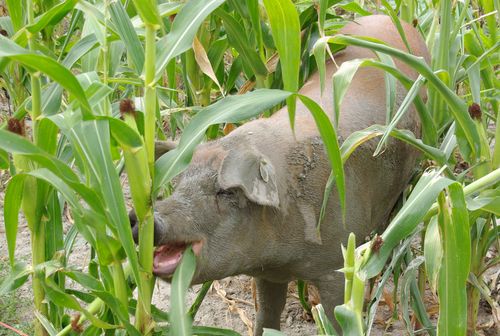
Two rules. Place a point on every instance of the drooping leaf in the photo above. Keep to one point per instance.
(404, 223)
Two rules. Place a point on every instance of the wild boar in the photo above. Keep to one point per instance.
(249, 202)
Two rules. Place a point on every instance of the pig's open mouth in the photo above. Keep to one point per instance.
(168, 256)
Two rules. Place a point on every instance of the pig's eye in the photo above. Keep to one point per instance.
(225, 192)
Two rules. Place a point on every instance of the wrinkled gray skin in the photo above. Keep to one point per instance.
(254, 196)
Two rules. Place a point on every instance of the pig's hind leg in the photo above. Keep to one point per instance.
(271, 297)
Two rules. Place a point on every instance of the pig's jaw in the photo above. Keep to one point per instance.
(167, 257)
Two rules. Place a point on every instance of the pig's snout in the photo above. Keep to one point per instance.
(159, 228)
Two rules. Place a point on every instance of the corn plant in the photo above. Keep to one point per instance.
(93, 83)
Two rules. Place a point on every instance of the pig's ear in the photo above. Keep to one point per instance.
(162, 147)
(253, 173)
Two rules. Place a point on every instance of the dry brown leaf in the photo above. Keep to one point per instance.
(228, 128)
(233, 307)
(388, 299)
(201, 58)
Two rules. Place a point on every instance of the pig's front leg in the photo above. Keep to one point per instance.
(271, 299)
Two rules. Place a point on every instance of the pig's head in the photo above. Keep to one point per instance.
(221, 205)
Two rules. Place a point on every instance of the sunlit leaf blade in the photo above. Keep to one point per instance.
(348, 320)
(285, 26)
(62, 299)
(125, 29)
(46, 324)
(179, 319)
(93, 140)
(47, 66)
(211, 331)
(52, 16)
(17, 276)
(325, 327)
(230, 109)
(16, 13)
(12, 206)
(15, 144)
(329, 136)
(340, 83)
(148, 10)
(422, 197)
(433, 253)
(239, 40)
(184, 28)
(403, 108)
(453, 220)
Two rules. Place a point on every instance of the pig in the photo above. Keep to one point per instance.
(249, 202)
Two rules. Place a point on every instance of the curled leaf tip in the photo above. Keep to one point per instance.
(475, 111)
(127, 106)
(16, 126)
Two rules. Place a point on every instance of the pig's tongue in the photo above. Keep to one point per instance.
(167, 257)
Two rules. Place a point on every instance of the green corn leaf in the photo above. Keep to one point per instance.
(46, 324)
(340, 83)
(52, 16)
(118, 310)
(148, 10)
(329, 137)
(47, 66)
(85, 280)
(239, 40)
(179, 319)
(134, 153)
(457, 106)
(16, 13)
(285, 26)
(184, 28)
(17, 277)
(354, 7)
(403, 108)
(348, 320)
(453, 220)
(4, 160)
(433, 253)
(407, 219)
(127, 33)
(408, 284)
(93, 142)
(12, 206)
(230, 109)
(60, 298)
(324, 325)
(211, 331)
